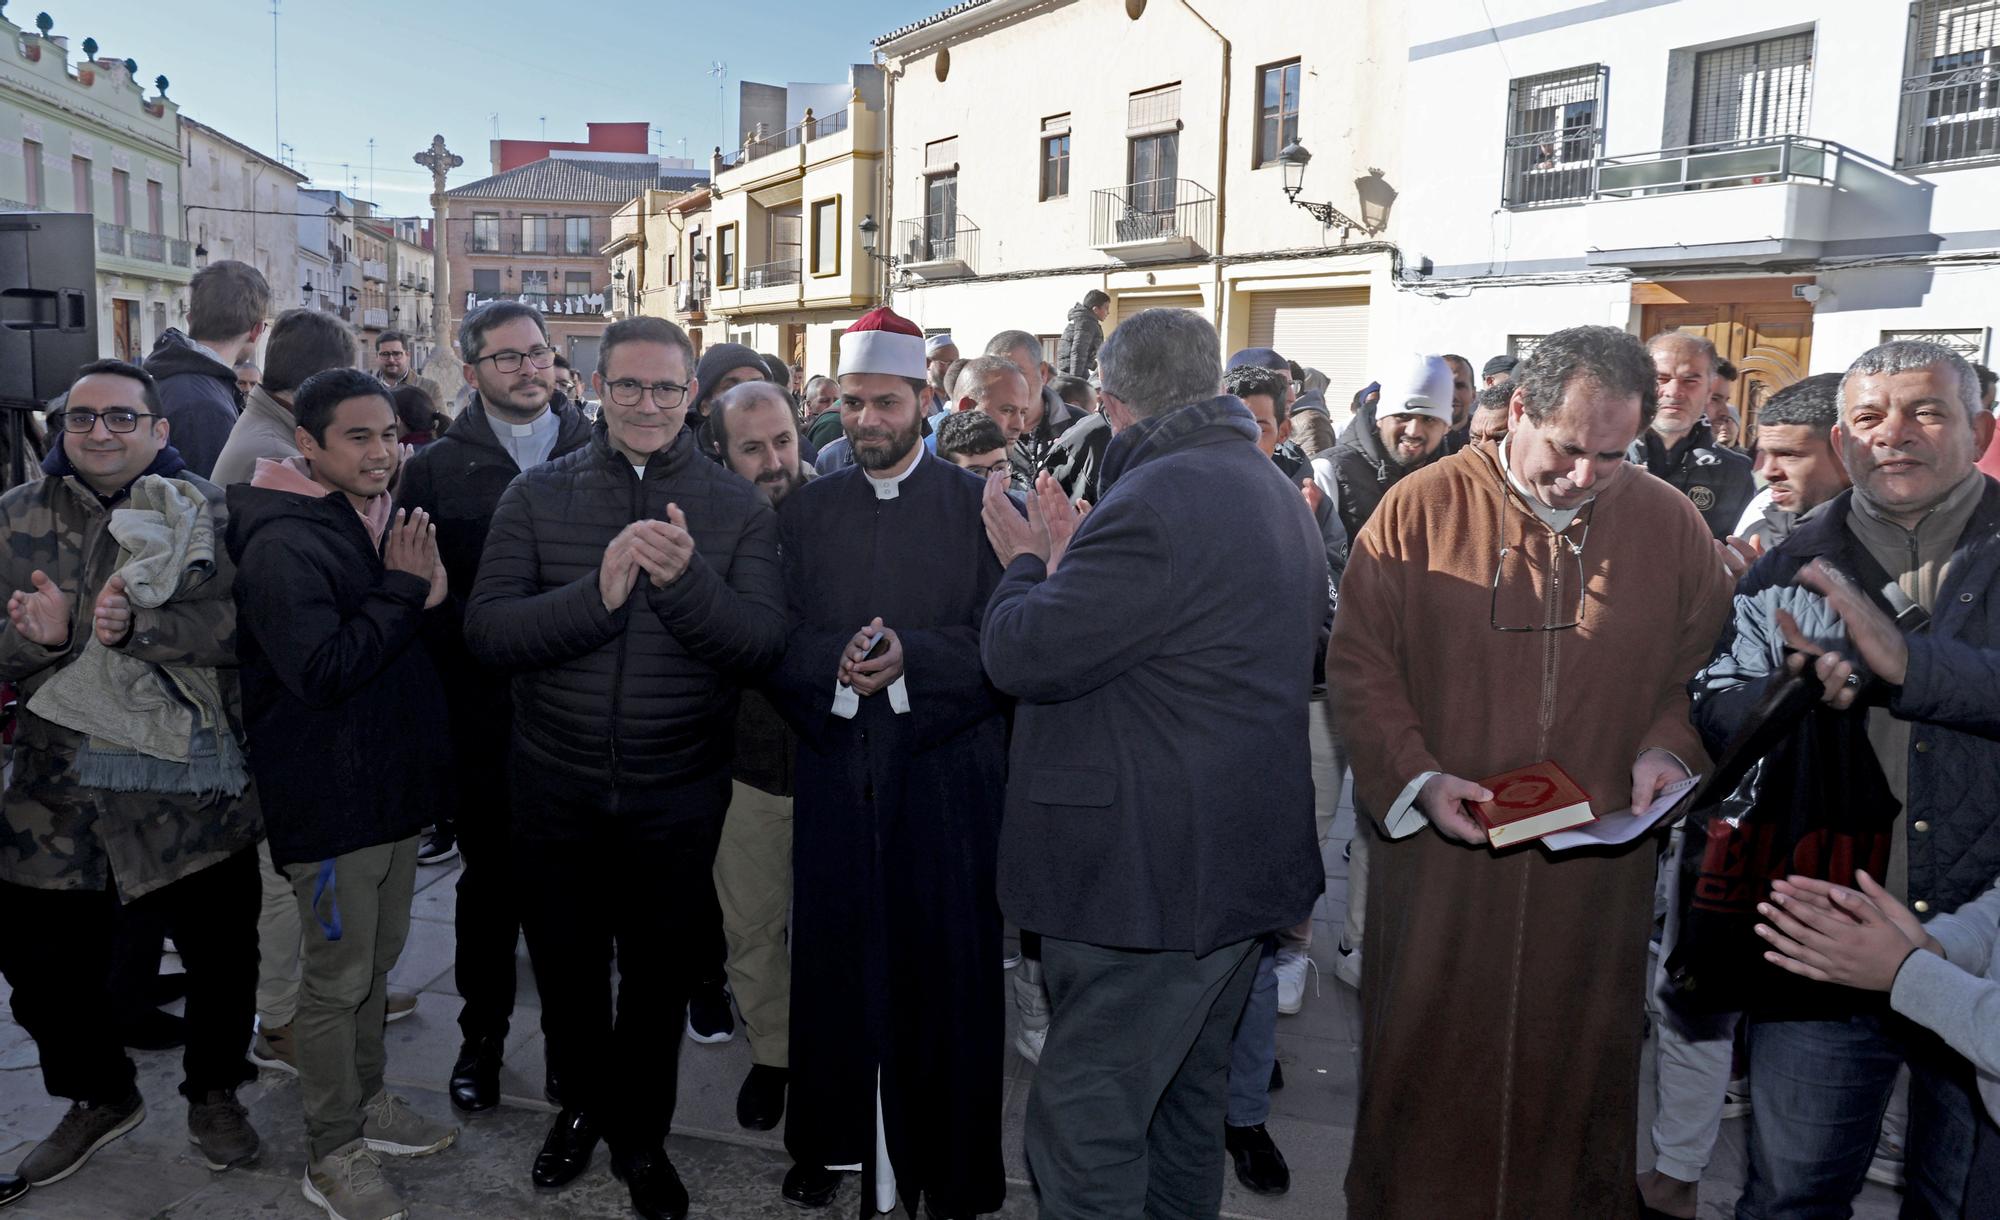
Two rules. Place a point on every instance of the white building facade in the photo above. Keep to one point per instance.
(1041, 150)
(1798, 180)
(239, 205)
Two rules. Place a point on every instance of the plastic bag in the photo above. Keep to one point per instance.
(1798, 790)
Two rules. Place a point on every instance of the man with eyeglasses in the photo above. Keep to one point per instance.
(1536, 599)
(95, 821)
(514, 423)
(632, 589)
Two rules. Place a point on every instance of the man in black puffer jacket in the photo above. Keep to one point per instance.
(631, 587)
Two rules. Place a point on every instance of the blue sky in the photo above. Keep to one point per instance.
(349, 70)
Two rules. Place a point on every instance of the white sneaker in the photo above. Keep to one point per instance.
(1291, 971)
(1347, 966)
(1736, 1098)
(1029, 1042)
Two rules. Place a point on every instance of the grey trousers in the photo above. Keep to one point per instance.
(1125, 1119)
(344, 984)
(277, 946)
(753, 885)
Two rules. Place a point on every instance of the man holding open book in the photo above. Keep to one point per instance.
(1539, 601)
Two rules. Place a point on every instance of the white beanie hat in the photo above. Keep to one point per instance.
(1422, 388)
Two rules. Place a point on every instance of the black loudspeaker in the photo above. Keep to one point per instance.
(48, 302)
(48, 315)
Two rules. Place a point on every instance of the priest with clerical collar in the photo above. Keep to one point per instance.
(1536, 599)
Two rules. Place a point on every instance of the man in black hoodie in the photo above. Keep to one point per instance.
(515, 423)
(196, 371)
(1076, 351)
(631, 587)
(343, 709)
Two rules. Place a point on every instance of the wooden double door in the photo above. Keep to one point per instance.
(1757, 325)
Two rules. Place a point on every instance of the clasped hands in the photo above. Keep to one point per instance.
(1832, 934)
(660, 549)
(869, 676)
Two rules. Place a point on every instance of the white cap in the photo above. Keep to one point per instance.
(1423, 387)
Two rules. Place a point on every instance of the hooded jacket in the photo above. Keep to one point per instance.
(639, 700)
(1363, 470)
(343, 709)
(1076, 351)
(58, 835)
(1132, 819)
(198, 396)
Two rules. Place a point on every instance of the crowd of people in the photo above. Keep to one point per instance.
(748, 695)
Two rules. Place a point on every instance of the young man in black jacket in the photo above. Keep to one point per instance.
(516, 423)
(631, 587)
(342, 708)
(196, 371)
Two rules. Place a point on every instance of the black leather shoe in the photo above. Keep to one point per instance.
(475, 1078)
(811, 1185)
(1259, 1165)
(12, 1187)
(566, 1151)
(657, 1193)
(760, 1103)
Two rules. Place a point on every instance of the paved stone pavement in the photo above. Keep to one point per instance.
(731, 1174)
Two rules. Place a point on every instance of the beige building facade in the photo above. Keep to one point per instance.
(1026, 166)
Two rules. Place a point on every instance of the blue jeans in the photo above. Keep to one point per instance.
(1817, 1092)
(1255, 1046)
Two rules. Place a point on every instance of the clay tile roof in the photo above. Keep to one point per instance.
(564, 180)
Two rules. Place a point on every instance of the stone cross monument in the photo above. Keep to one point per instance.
(443, 367)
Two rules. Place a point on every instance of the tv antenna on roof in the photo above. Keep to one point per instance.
(719, 71)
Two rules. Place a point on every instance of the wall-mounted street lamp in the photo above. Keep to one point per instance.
(1293, 158)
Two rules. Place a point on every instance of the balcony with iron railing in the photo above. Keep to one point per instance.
(1752, 200)
(691, 296)
(482, 243)
(1157, 219)
(938, 247)
(139, 246)
(592, 305)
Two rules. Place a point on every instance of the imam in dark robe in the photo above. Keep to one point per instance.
(896, 928)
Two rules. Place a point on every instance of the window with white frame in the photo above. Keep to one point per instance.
(1951, 84)
(1555, 133)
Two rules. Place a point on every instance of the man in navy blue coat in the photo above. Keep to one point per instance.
(1160, 802)
(896, 981)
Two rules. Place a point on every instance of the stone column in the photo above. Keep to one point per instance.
(444, 363)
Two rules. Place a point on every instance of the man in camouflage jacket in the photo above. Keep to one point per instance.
(71, 856)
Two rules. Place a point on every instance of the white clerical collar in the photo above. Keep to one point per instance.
(891, 487)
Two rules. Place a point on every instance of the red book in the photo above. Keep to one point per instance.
(1530, 802)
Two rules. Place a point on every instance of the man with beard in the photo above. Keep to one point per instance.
(759, 439)
(516, 422)
(1681, 447)
(901, 771)
(1400, 431)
